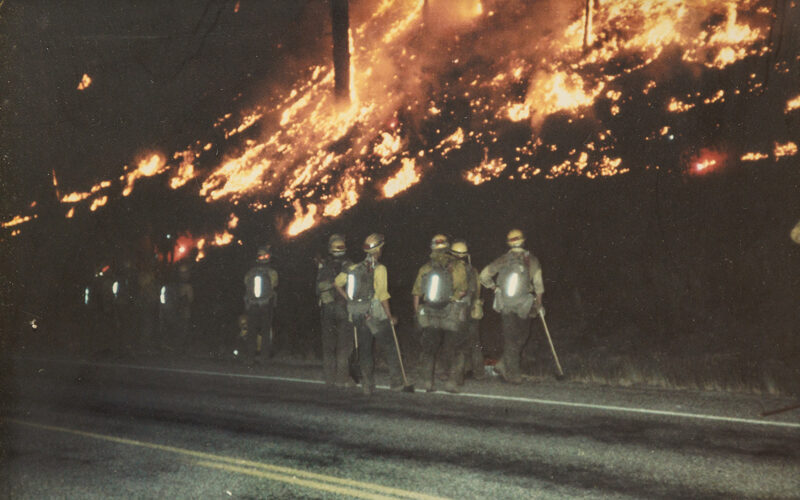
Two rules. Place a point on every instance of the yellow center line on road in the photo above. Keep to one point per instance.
(253, 468)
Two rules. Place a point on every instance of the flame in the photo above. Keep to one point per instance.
(754, 156)
(98, 202)
(70, 213)
(303, 220)
(147, 167)
(406, 177)
(487, 170)
(222, 238)
(86, 80)
(787, 149)
(793, 104)
(17, 220)
(299, 146)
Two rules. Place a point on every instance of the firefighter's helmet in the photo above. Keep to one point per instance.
(264, 255)
(373, 243)
(336, 245)
(515, 238)
(459, 249)
(439, 242)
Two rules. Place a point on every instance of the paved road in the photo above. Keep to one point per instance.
(206, 429)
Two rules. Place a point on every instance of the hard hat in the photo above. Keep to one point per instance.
(459, 249)
(373, 243)
(264, 254)
(515, 238)
(336, 245)
(439, 242)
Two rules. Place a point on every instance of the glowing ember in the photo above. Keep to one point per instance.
(406, 177)
(86, 80)
(17, 220)
(486, 171)
(793, 104)
(98, 202)
(787, 149)
(754, 156)
(70, 213)
(222, 239)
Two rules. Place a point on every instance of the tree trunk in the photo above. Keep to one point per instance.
(340, 20)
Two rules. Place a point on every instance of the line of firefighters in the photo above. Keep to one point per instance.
(356, 312)
(354, 309)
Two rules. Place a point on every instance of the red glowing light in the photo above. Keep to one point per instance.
(706, 161)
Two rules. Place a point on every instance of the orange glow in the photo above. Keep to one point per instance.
(86, 80)
(233, 221)
(406, 177)
(70, 213)
(706, 161)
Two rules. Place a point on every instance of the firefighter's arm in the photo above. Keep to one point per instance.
(339, 283)
(273, 278)
(487, 276)
(460, 283)
(416, 303)
(416, 290)
(380, 283)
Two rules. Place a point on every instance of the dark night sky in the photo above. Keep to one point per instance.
(159, 69)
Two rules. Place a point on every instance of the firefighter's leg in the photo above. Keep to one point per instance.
(474, 352)
(329, 341)
(253, 329)
(344, 346)
(365, 356)
(514, 334)
(385, 340)
(430, 340)
(454, 349)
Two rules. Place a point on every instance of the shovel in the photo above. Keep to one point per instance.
(552, 348)
(406, 386)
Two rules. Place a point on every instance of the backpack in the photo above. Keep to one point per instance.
(437, 285)
(514, 278)
(360, 286)
(259, 286)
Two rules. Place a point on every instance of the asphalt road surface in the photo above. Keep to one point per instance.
(204, 429)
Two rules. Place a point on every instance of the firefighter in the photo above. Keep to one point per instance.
(337, 331)
(518, 290)
(98, 302)
(175, 309)
(365, 286)
(439, 292)
(261, 283)
(147, 304)
(473, 355)
(123, 290)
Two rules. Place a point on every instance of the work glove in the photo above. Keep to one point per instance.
(537, 310)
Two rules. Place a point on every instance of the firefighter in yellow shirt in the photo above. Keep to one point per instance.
(365, 286)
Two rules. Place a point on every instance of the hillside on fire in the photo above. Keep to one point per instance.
(647, 149)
